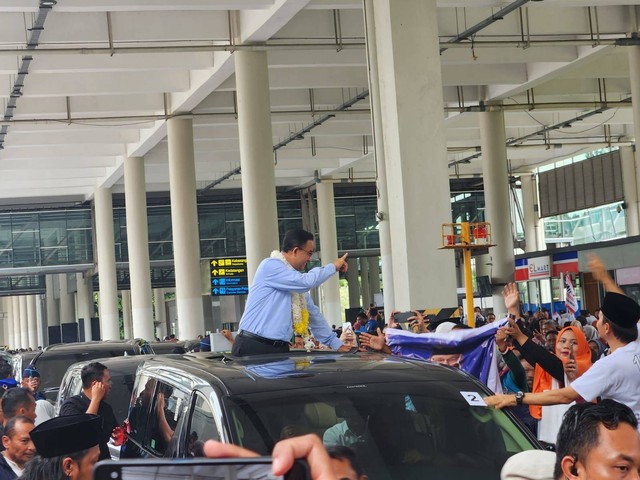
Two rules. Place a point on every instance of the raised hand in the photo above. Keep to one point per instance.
(341, 263)
(511, 296)
(374, 342)
(98, 391)
(514, 330)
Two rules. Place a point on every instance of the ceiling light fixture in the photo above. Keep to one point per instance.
(48, 3)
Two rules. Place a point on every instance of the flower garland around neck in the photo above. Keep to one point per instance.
(299, 311)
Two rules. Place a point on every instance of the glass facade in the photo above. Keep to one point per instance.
(62, 237)
(586, 226)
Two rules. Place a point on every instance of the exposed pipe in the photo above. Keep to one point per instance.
(499, 15)
(23, 70)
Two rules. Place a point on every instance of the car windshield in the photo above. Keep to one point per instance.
(398, 431)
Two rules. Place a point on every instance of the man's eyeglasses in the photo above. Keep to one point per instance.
(308, 253)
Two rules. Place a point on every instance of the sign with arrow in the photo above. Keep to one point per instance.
(229, 276)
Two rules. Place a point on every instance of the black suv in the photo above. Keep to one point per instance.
(53, 361)
(404, 418)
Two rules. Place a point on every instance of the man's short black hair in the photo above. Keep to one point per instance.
(579, 431)
(295, 238)
(373, 312)
(91, 372)
(14, 399)
(10, 426)
(340, 452)
(625, 335)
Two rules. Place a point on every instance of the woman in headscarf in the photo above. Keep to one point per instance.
(571, 359)
(595, 344)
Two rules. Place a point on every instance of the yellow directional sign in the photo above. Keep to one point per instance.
(229, 276)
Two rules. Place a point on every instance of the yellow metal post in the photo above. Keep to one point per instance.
(465, 236)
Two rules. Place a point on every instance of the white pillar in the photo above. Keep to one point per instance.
(353, 282)
(24, 322)
(364, 282)
(630, 186)
(11, 339)
(32, 322)
(67, 303)
(634, 81)
(53, 309)
(15, 305)
(138, 245)
(108, 300)
(407, 40)
(85, 302)
(329, 251)
(184, 223)
(256, 157)
(381, 168)
(161, 312)
(42, 321)
(126, 314)
(530, 212)
(497, 199)
(374, 276)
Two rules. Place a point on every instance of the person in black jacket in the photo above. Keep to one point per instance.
(96, 384)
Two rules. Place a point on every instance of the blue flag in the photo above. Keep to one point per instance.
(472, 350)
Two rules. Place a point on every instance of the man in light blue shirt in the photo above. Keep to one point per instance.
(279, 294)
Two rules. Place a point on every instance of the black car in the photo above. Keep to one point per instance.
(404, 418)
(53, 361)
(162, 348)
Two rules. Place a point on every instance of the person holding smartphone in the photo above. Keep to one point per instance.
(96, 384)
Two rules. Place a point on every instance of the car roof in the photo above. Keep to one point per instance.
(296, 370)
(94, 345)
(116, 365)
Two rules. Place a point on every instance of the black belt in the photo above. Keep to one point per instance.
(266, 341)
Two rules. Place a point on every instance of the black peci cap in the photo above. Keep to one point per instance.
(65, 435)
(621, 310)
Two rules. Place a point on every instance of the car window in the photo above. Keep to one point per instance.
(202, 426)
(166, 412)
(52, 366)
(398, 431)
(140, 408)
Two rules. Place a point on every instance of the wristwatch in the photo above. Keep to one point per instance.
(519, 398)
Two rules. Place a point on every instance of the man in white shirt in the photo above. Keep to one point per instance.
(18, 446)
(616, 376)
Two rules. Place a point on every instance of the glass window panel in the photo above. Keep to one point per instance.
(235, 238)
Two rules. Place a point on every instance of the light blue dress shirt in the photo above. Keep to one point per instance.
(268, 309)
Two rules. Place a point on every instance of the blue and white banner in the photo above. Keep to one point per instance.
(472, 350)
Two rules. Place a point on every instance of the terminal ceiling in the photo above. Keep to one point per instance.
(106, 72)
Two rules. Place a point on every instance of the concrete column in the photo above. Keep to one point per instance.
(256, 157)
(24, 321)
(413, 129)
(161, 313)
(497, 199)
(15, 307)
(42, 321)
(530, 211)
(67, 303)
(329, 251)
(138, 245)
(539, 224)
(32, 321)
(108, 300)
(11, 339)
(85, 302)
(126, 314)
(184, 222)
(634, 81)
(374, 276)
(353, 282)
(53, 309)
(630, 186)
(364, 282)
(379, 152)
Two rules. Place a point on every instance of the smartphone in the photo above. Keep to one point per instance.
(403, 317)
(162, 469)
(347, 326)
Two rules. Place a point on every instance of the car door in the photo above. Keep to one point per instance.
(201, 426)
